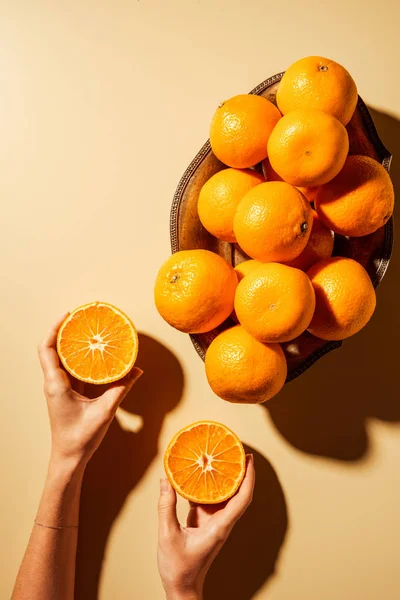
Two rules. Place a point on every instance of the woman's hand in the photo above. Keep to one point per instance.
(78, 424)
(186, 553)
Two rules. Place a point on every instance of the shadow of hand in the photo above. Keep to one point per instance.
(324, 411)
(123, 458)
(248, 558)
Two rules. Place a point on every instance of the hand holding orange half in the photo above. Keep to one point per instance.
(185, 553)
(79, 422)
(97, 343)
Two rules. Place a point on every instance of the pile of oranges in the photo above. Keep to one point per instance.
(289, 187)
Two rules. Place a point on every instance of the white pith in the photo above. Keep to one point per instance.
(205, 462)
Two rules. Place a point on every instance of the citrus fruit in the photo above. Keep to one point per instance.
(239, 368)
(194, 290)
(319, 246)
(273, 222)
(205, 462)
(317, 82)
(97, 343)
(219, 198)
(308, 147)
(240, 130)
(359, 200)
(345, 298)
(246, 267)
(271, 175)
(275, 303)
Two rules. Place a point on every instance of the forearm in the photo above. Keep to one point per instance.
(186, 590)
(47, 571)
(184, 595)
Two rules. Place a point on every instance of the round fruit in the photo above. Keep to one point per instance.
(359, 200)
(194, 290)
(241, 369)
(97, 343)
(275, 303)
(319, 246)
(273, 222)
(345, 298)
(205, 462)
(240, 130)
(246, 267)
(271, 175)
(308, 147)
(219, 198)
(317, 82)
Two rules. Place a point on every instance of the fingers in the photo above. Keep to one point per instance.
(167, 519)
(237, 505)
(117, 391)
(193, 516)
(200, 514)
(48, 356)
(78, 386)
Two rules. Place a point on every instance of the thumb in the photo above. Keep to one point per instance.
(167, 518)
(118, 390)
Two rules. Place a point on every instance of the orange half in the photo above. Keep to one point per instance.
(205, 462)
(97, 343)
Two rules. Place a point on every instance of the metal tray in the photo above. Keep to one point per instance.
(372, 251)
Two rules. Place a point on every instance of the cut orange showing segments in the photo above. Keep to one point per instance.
(97, 343)
(205, 462)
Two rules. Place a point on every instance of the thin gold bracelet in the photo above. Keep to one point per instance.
(58, 527)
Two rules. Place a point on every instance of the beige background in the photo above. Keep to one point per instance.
(102, 106)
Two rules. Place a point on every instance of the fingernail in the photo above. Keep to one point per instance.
(164, 486)
(250, 458)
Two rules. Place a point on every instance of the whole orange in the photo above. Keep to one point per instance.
(273, 222)
(308, 147)
(241, 369)
(345, 298)
(271, 175)
(275, 303)
(246, 267)
(219, 198)
(319, 246)
(194, 290)
(240, 130)
(317, 82)
(359, 200)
